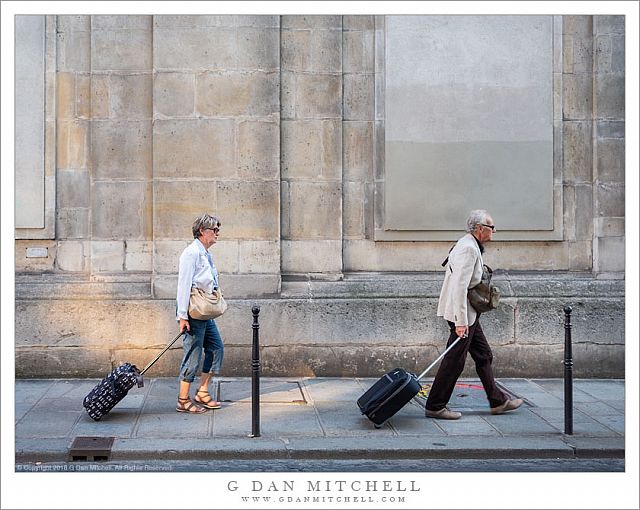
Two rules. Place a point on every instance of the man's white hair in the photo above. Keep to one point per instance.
(476, 218)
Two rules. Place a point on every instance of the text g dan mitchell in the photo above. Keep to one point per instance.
(324, 486)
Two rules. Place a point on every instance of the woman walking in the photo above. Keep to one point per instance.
(198, 270)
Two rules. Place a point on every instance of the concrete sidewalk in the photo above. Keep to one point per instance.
(317, 418)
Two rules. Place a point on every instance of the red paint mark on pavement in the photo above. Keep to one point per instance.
(426, 387)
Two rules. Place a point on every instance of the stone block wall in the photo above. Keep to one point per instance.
(217, 89)
(135, 95)
(276, 124)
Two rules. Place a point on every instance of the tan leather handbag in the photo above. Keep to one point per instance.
(204, 305)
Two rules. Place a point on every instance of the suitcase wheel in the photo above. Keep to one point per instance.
(377, 426)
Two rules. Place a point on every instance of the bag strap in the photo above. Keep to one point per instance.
(163, 351)
(489, 273)
(446, 261)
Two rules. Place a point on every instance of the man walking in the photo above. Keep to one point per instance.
(463, 272)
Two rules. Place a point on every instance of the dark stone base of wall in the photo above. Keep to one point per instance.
(322, 361)
(360, 327)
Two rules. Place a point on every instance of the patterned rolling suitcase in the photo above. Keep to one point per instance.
(113, 388)
(392, 391)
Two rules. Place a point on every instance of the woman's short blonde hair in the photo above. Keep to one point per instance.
(204, 221)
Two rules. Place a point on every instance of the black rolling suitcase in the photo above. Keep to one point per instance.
(113, 388)
(392, 391)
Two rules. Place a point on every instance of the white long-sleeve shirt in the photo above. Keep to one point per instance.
(196, 269)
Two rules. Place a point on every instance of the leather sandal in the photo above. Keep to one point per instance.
(206, 401)
(185, 405)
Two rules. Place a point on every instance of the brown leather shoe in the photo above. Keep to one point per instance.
(443, 414)
(509, 405)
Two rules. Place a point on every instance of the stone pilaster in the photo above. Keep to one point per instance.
(312, 140)
(358, 126)
(121, 202)
(73, 148)
(609, 143)
(577, 140)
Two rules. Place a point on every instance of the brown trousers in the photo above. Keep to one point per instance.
(452, 365)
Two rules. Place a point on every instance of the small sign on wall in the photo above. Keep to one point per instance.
(37, 252)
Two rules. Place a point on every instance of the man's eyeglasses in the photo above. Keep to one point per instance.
(492, 227)
(215, 229)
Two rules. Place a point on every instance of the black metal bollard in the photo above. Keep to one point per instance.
(568, 372)
(255, 375)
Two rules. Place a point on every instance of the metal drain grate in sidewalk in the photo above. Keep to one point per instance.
(271, 392)
(91, 449)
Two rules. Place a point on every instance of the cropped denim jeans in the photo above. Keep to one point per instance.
(204, 336)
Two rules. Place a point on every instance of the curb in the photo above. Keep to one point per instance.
(57, 450)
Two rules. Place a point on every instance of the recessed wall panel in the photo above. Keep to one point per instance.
(29, 121)
(468, 121)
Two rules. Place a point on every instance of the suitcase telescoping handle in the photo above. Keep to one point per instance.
(183, 332)
(439, 358)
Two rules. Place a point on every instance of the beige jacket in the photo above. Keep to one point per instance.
(463, 272)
